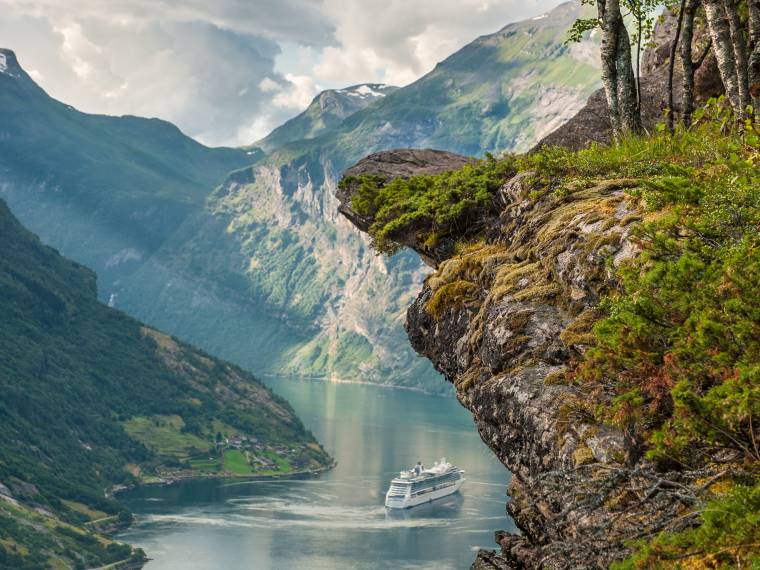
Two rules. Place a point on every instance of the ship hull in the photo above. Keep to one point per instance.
(423, 498)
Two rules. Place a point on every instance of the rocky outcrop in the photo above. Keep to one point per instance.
(592, 123)
(400, 163)
(502, 320)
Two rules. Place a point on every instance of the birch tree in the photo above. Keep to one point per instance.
(727, 39)
(618, 78)
(754, 56)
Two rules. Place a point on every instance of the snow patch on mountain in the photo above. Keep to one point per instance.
(364, 91)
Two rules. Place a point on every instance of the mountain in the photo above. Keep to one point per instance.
(269, 243)
(106, 191)
(243, 253)
(92, 398)
(502, 92)
(326, 111)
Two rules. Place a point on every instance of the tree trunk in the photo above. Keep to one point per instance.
(754, 55)
(609, 69)
(638, 64)
(617, 69)
(630, 113)
(672, 66)
(689, 12)
(720, 33)
(739, 45)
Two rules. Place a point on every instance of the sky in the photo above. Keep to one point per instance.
(228, 71)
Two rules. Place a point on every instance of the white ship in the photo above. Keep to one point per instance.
(420, 485)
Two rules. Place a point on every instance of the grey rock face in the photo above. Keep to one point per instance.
(407, 162)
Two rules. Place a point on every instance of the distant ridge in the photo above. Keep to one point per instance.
(326, 111)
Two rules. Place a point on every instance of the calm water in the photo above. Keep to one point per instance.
(338, 520)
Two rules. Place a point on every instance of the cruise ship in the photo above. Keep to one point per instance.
(419, 485)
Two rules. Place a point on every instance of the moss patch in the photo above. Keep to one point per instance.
(449, 296)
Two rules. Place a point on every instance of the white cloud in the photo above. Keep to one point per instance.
(227, 71)
(403, 39)
(297, 93)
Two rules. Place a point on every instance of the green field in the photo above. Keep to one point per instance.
(163, 435)
(91, 514)
(235, 462)
(206, 464)
(283, 465)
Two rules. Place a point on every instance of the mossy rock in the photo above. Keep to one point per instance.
(583, 456)
(449, 296)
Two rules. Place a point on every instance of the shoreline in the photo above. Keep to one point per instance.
(330, 380)
(117, 527)
(165, 482)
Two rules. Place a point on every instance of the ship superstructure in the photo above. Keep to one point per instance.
(419, 485)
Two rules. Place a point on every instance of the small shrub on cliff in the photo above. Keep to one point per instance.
(429, 207)
(680, 346)
(728, 536)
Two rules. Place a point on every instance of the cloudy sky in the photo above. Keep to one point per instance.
(228, 71)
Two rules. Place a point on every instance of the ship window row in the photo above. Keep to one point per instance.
(436, 481)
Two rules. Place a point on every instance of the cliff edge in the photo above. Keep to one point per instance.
(604, 429)
(501, 319)
(595, 307)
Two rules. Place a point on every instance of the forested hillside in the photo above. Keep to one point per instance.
(91, 398)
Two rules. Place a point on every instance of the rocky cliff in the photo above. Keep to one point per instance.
(530, 288)
(507, 312)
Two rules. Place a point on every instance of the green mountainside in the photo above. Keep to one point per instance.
(503, 91)
(106, 191)
(92, 398)
(270, 245)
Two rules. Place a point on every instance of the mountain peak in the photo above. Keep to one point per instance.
(326, 111)
(10, 67)
(365, 90)
(346, 101)
(9, 63)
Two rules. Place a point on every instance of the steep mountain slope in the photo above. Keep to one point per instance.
(270, 244)
(106, 191)
(326, 111)
(503, 91)
(92, 398)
